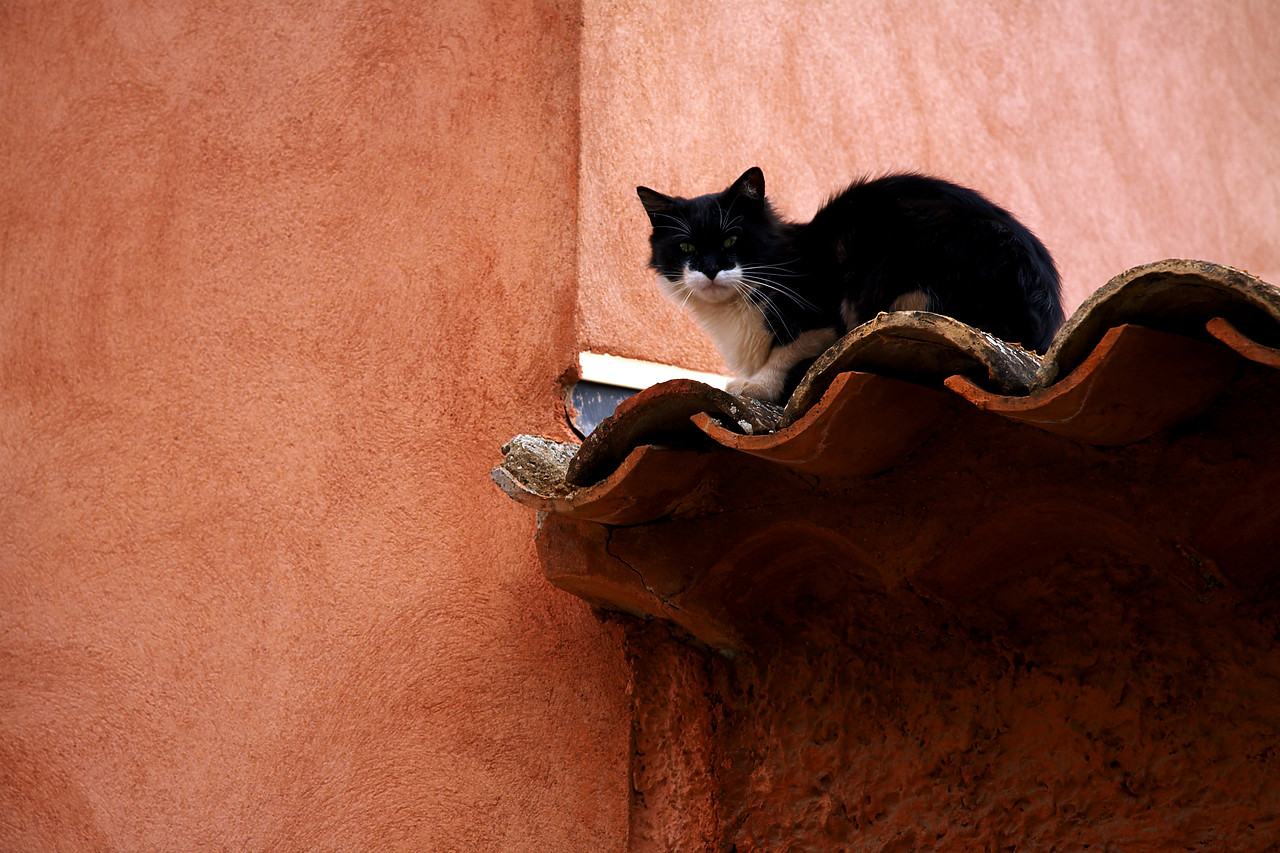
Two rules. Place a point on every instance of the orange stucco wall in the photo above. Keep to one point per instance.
(1122, 133)
(277, 282)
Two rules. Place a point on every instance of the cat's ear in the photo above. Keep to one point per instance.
(654, 202)
(750, 185)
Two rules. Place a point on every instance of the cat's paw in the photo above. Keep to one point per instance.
(753, 388)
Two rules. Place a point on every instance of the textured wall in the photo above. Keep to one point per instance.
(1121, 133)
(276, 282)
(1101, 708)
(1009, 642)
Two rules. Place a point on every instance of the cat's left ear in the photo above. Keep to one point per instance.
(750, 185)
(654, 202)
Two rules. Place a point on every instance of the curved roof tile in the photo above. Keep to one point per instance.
(1151, 348)
(1178, 296)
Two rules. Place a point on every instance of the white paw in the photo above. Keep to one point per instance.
(752, 388)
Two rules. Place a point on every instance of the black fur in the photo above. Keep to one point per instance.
(872, 243)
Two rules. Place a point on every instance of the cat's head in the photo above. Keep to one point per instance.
(707, 249)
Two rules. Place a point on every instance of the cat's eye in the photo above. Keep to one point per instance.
(687, 248)
(729, 241)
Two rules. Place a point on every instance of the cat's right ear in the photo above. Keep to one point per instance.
(750, 184)
(654, 202)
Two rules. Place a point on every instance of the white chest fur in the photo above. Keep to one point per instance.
(739, 330)
(737, 327)
(735, 324)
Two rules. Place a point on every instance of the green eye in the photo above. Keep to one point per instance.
(687, 248)
(729, 241)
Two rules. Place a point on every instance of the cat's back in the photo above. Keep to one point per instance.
(913, 217)
(885, 237)
(909, 196)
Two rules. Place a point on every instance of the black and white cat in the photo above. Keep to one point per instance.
(773, 294)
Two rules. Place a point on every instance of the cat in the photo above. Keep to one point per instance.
(773, 295)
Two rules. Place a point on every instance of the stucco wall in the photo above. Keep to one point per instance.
(277, 282)
(1120, 133)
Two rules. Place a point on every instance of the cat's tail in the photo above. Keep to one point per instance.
(1042, 288)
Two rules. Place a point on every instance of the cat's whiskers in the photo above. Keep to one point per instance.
(725, 222)
(745, 289)
(765, 315)
(765, 277)
(770, 275)
(689, 291)
(682, 289)
(767, 285)
(785, 265)
(681, 227)
(682, 286)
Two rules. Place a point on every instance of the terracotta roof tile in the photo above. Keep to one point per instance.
(1173, 366)
(1151, 348)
